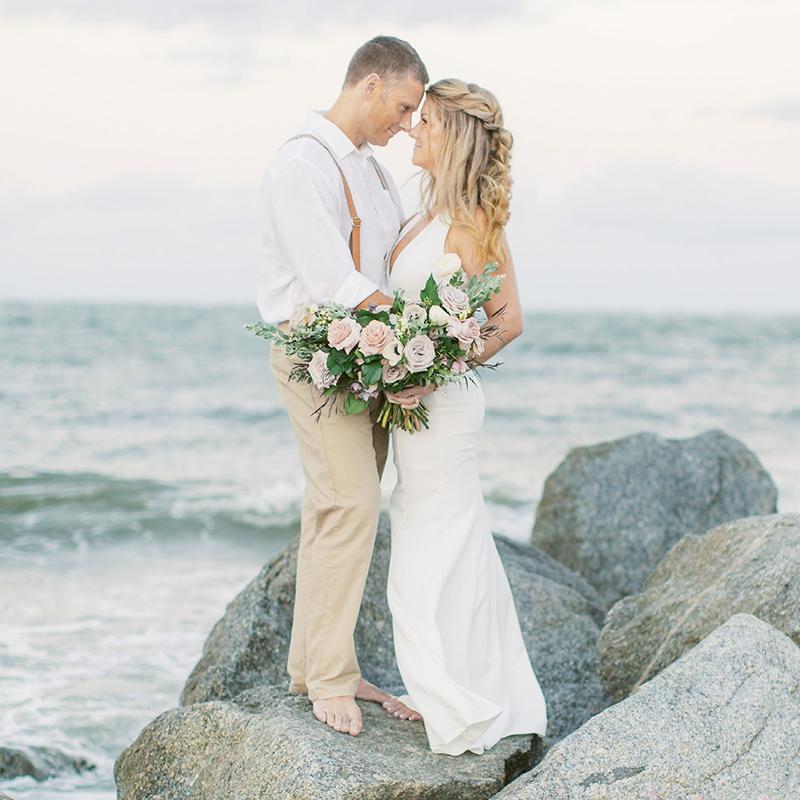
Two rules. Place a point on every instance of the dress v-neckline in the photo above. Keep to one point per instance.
(394, 253)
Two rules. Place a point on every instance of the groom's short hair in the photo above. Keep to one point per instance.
(386, 56)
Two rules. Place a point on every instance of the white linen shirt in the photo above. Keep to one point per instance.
(307, 224)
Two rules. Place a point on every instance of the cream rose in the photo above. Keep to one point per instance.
(438, 316)
(343, 334)
(393, 352)
(414, 314)
(454, 300)
(375, 338)
(321, 376)
(419, 353)
(446, 267)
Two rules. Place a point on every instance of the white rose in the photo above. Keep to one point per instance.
(446, 267)
(438, 316)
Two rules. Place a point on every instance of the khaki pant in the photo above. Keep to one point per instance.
(343, 459)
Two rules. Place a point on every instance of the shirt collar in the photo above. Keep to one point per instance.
(334, 136)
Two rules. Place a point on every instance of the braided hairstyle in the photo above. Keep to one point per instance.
(472, 169)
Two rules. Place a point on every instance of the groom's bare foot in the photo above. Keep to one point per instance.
(368, 691)
(340, 713)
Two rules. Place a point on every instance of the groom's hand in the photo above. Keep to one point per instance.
(411, 397)
(376, 299)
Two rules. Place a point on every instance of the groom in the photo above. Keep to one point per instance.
(331, 215)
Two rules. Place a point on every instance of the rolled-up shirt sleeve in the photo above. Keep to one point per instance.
(306, 214)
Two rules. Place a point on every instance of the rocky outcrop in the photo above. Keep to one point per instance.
(750, 565)
(560, 616)
(721, 723)
(267, 744)
(249, 645)
(39, 763)
(611, 511)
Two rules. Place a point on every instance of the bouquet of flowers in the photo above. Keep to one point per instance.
(354, 355)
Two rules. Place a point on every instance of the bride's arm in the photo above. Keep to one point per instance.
(502, 309)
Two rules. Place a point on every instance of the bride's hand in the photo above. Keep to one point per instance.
(411, 397)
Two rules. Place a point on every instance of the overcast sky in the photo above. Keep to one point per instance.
(656, 160)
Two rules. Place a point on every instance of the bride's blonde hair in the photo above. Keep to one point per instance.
(472, 169)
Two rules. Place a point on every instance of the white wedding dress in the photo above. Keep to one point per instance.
(456, 633)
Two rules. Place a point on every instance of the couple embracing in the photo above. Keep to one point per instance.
(334, 232)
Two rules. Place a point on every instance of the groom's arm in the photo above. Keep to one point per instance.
(306, 208)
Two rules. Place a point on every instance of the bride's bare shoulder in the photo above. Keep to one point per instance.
(462, 237)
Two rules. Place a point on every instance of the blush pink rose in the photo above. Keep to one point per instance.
(459, 367)
(375, 338)
(343, 334)
(466, 331)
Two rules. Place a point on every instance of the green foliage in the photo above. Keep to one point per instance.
(430, 294)
(353, 404)
(339, 361)
(371, 372)
(481, 287)
(365, 316)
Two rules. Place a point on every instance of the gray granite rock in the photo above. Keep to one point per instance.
(39, 763)
(249, 645)
(5, 797)
(611, 511)
(751, 565)
(267, 744)
(721, 723)
(560, 616)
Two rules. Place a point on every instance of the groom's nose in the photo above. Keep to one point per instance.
(405, 122)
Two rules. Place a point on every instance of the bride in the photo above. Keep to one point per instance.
(457, 637)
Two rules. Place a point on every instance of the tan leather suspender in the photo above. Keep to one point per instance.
(355, 233)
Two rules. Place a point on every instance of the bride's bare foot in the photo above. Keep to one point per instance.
(394, 707)
(340, 713)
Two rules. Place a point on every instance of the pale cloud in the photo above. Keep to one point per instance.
(155, 238)
(667, 201)
(302, 14)
(780, 110)
(132, 152)
(658, 235)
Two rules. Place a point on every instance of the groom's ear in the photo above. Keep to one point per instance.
(371, 84)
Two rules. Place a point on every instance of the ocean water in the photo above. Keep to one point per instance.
(148, 472)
